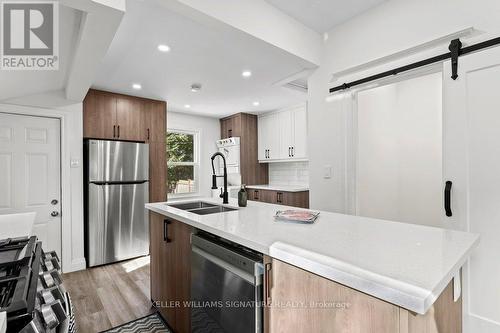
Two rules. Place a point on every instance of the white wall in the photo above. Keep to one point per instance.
(209, 132)
(387, 29)
(399, 151)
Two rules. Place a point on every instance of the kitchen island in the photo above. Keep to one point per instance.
(387, 271)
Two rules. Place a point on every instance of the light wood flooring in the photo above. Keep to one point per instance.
(108, 296)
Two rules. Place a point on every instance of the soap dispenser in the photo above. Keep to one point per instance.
(242, 196)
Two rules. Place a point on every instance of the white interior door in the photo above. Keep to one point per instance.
(472, 163)
(399, 151)
(30, 173)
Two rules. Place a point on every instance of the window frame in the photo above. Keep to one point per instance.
(195, 163)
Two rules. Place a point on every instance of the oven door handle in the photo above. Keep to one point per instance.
(225, 265)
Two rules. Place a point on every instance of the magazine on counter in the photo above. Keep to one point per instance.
(298, 216)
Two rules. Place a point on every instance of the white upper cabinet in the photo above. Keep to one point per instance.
(299, 148)
(283, 135)
(269, 137)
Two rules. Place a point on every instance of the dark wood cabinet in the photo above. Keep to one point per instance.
(171, 270)
(157, 172)
(154, 121)
(244, 126)
(162, 279)
(129, 118)
(111, 116)
(99, 115)
(293, 199)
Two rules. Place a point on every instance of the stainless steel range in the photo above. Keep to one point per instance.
(31, 289)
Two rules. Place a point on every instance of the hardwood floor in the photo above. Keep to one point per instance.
(107, 296)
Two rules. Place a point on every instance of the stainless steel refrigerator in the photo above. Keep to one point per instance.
(116, 190)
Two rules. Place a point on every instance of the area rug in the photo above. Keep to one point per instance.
(149, 324)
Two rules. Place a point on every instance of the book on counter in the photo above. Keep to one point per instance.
(298, 216)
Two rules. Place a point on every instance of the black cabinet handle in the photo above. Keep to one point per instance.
(148, 133)
(230, 133)
(118, 130)
(114, 131)
(279, 197)
(293, 151)
(289, 151)
(165, 231)
(447, 198)
(256, 195)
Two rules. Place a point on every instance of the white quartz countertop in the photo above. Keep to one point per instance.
(404, 264)
(284, 188)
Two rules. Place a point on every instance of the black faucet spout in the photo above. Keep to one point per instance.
(224, 195)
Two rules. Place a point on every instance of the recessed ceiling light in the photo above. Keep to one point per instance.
(137, 86)
(256, 103)
(246, 73)
(187, 106)
(195, 87)
(163, 48)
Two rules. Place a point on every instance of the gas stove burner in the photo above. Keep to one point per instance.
(31, 290)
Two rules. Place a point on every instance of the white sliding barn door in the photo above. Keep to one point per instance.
(471, 133)
(30, 173)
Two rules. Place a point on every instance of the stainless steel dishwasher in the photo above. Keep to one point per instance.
(226, 286)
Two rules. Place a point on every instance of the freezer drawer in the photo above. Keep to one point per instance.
(117, 222)
(117, 161)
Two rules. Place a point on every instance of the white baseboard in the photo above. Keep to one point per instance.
(76, 265)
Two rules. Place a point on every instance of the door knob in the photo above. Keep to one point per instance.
(54, 214)
(54, 202)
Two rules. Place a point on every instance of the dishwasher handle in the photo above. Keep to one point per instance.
(253, 279)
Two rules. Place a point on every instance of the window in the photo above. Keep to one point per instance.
(182, 162)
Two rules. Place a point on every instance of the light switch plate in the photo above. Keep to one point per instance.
(328, 172)
(75, 163)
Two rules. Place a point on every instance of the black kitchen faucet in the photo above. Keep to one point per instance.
(224, 195)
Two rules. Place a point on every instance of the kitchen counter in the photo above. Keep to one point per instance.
(404, 264)
(283, 188)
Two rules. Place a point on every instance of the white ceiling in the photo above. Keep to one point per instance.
(210, 54)
(323, 15)
(21, 83)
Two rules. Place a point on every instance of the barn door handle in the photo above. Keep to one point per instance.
(447, 198)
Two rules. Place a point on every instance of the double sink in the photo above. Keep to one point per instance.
(202, 208)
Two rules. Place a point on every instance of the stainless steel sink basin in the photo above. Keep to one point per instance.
(202, 208)
(193, 205)
(212, 210)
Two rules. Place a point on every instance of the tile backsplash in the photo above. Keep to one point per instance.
(289, 173)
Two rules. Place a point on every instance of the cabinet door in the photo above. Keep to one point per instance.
(231, 126)
(299, 146)
(269, 137)
(295, 199)
(273, 137)
(154, 113)
(286, 128)
(129, 118)
(287, 283)
(262, 137)
(99, 115)
(157, 172)
(181, 270)
(155, 252)
(162, 258)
